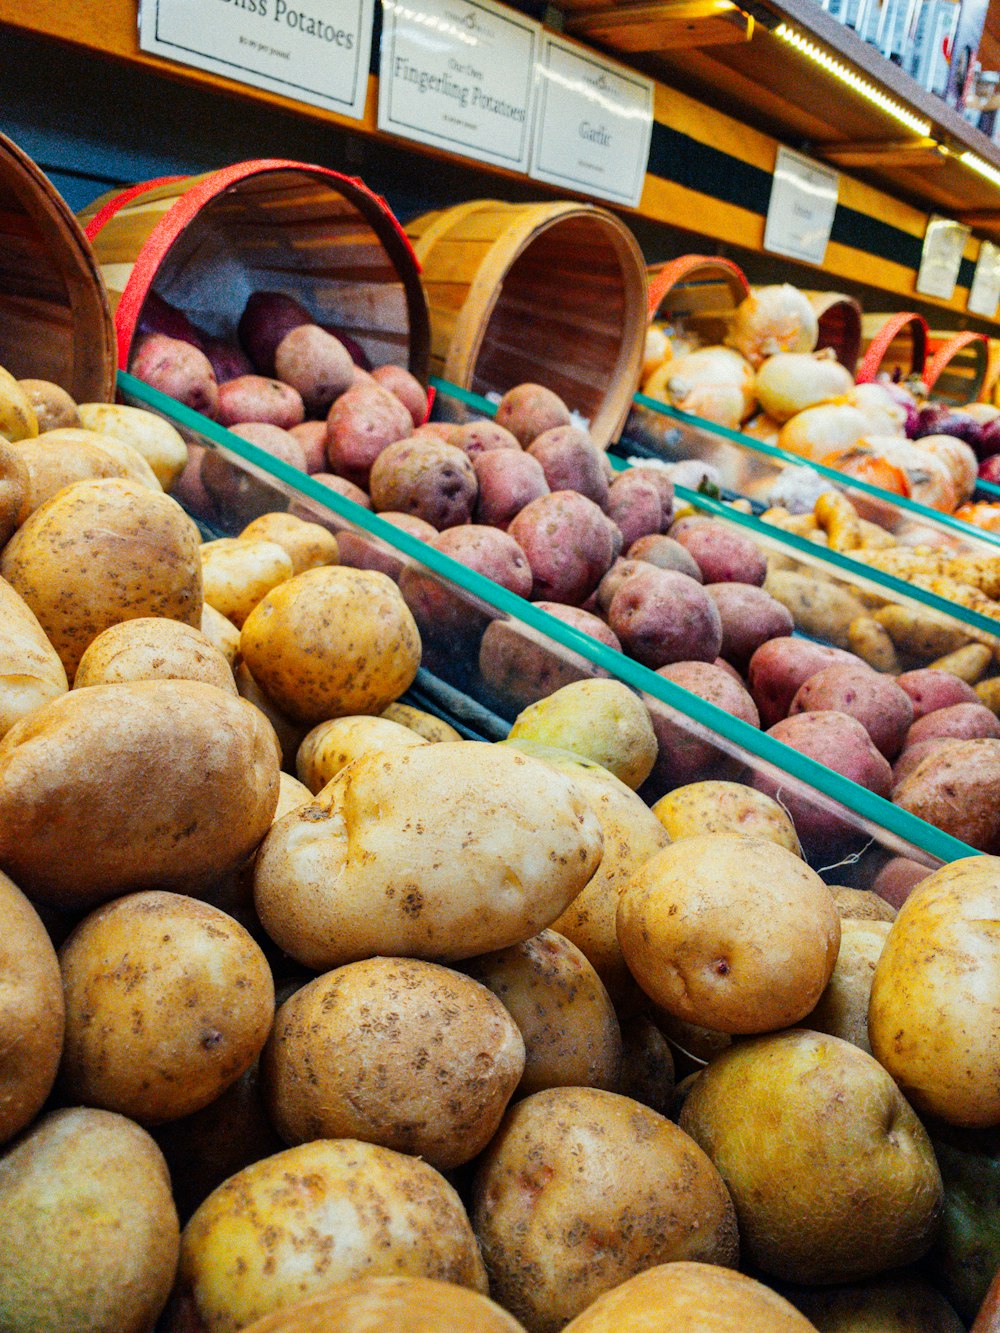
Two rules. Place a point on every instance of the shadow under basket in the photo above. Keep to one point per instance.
(552, 294)
(206, 243)
(55, 321)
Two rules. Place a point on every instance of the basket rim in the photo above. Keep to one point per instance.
(663, 277)
(880, 344)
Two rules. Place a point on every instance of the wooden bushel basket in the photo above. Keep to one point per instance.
(894, 344)
(552, 294)
(205, 243)
(958, 366)
(697, 292)
(839, 319)
(55, 322)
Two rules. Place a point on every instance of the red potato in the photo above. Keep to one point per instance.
(685, 753)
(178, 370)
(569, 542)
(364, 552)
(877, 702)
(238, 494)
(315, 364)
(361, 423)
(227, 362)
(662, 617)
(343, 487)
(960, 722)
(897, 879)
(426, 477)
(312, 436)
(956, 787)
(508, 483)
(528, 410)
(189, 488)
(664, 552)
(913, 755)
(723, 556)
(750, 617)
(266, 319)
(479, 437)
(571, 462)
(584, 620)
(779, 667)
(604, 594)
(446, 613)
(159, 316)
(254, 398)
(407, 388)
(523, 666)
(930, 690)
(633, 503)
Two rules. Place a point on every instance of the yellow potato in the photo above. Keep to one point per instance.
(292, 795)
(14, 487)
(52, 464)
(31, 673)
(725, 807)
(732, 933)
(842, 1009)
(861, 904)
(290, 735)
(332, 642)
(391, 1305)
(100, 552)
(890, 1304)
(455, 850)
(17, 416)
(338, 742)
(820, 607)
(153, 648)
(168, 1002)
(570, 1030)
(449, 1057)
(262, 1240)
(222, 632)
(424, 724)
(148, 434)
(129, 460)
(51, 404)
(936, 995)
(307, 545)
(238, 573)
(647, 1065)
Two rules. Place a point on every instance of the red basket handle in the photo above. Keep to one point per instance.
(672, 273)
(947, 350)
(886, 335)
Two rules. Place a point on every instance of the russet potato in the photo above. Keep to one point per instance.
(31, 673)
(153, 648)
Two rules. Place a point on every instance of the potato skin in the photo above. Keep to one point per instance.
(256, 398)
(960, 722)
(103, 551)
(479, 437)
(153, 648)
(432, 728)
(528, 410)
(662, 617)
(332, 745)
(634, 504)
(572, 462)
(956, 787)
(750, 616)
(331, 642)
(524, 666)
(52, 464)
(426, 875)
(125, 787)
(360, 424)
(570, 545)
(168, 1002)
(260, 1241)
(307, 545)
(723, 556)
(14, 487)
(90, 1229)
(507, 484)
(930, 689)
(52, 405)
(155, 439)
(426, 477)
(876, 701)
(393, 1051)
(779, 667)
(391, 1305)
(32, 1012)
(31, 673)
(684, 755)
(555, 1237)
(406, 387)
(932, 1019)
(237, 572)
(316, 364)
(725, 807)
(178, 370)
(221, 632)
(444, 612)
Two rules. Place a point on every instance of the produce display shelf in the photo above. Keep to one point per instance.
(872, 817)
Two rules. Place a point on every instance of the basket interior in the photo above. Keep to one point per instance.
(961, 380)
(702, 303)
(840, 328)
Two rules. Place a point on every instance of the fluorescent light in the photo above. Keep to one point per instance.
(854, 81)
(983, 167)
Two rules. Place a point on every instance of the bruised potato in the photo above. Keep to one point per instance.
(31, 673)
(237, 572)
(334, 744)
(307, 544)
(153, 648)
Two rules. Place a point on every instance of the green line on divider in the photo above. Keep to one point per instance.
(874, 809)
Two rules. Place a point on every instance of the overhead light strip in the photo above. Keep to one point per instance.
(984, 168)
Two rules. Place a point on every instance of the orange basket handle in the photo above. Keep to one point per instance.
(886, 335)
(947, 350)
(678, 269)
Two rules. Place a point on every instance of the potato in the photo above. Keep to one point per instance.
(555, 1236)
(666, 553)
(103, 551)
(54, 462)
(685, 752)
(190, 490)
(312, 437)
(446, 613)
(750, 617)
(613, 580)
(220, 632)
(14, 486)
(680, 1296)
(479, 437)
(570, 545)
(877, 702)
(228, 362)
(334, 744)
(641, 503)
(267, 318)
(361, 551)
(892, 1304)
(820, 607)
(261, 1241)
(426, 877)
(723, 555)
(663, 617)
(360, 424)
(168, 1002)
(571, 462)
(842, 1009)
(308, 510)
(732, 933)
(871, 642)
(599, 720)
(31, 673)
(422, 476)
(316, 365)
(90, 1228)
(508, 482)
(449, 1053)
(238, 572)
(391, 1305)
(955, 788)
(725, 807)
(52, 405)
(32, 1012)
(148, 434)
(930, 690)
(406, 387)
(307, 545)
(647, 1065)
(960, 722)
(432, 728)
(970, 663)
(529, 410)
(920, 633)
(178, 370)
(524, 666)
(253, 398)
(862, 904)
(832, 1174)
(153, 648)
(156, 783)
(779, 667)
(288, 733)
(332, 642)
(237, 493)
(571, 1034)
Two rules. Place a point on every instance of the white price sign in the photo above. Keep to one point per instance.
(593, 123)
(984, 294)
(315, 51)
(801, 208)
(459, 75)
(944, 245)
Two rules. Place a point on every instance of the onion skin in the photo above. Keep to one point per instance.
(989, 469)
(790, 382)
(714, 382)
(937, 419)
(771, 320)
(823, 430)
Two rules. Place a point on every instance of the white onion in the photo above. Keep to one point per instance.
(714, 383)
(887, 416)
(958, 457)
(772, 320)
(763, 427)
(929, 478)
(823, 430)
(981, 412)
(792, 381)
